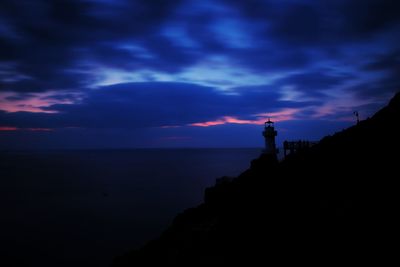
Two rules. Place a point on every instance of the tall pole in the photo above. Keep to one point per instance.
(357, 116)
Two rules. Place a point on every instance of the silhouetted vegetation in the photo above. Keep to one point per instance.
(335, 202)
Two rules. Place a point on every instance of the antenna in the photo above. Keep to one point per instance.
(357, 116)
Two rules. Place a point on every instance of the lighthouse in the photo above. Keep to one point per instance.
(269, 134)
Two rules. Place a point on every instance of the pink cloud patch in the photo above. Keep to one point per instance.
(286, 114)
(227, 120)
(8, 128)
(11, 128)
(35, 102)
(283, 115)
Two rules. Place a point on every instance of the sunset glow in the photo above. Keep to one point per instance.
(284, 115)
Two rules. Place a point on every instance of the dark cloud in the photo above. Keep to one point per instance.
(19, 97)
(264, 98)
(321, 22)
(71, 96)
(378, 91)
(28, 120)
(273, 58)
(370, 17)
(167, 56)
(387, 64)
(54, 44)
(48, 39)
(299, 24)
(386, 61)
(315, 82)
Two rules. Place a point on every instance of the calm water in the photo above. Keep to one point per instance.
(80, 208)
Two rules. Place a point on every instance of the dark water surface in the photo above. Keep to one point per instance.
(81, 208)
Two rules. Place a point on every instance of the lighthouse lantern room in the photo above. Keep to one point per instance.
(269, 134)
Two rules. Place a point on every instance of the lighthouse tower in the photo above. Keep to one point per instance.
(269, 134)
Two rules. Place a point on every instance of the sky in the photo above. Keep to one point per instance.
(153, 73)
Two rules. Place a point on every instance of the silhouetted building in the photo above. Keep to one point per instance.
(269, 134)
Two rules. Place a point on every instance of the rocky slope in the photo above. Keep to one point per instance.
(334, 203)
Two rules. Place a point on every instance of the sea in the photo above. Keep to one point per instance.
(85, 207)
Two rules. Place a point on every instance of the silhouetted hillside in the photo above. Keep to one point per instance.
(334, 203)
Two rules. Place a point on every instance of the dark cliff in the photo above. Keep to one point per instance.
(333, 203)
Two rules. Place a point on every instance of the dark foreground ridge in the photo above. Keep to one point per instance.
(334, 203)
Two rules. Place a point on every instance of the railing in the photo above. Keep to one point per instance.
(293, 146)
